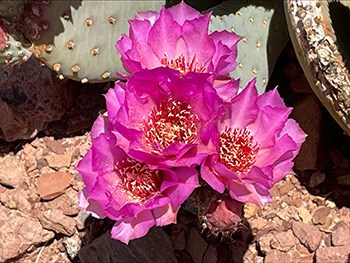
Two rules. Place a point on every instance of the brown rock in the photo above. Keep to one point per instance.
(67, 203)
(320, 215)
(333, 254)
(285, 187)
(286, 240)
(313, 153)
(47, 252)
(31, 97)
(12, 171)
(55, 220)
(19, 233)
(341, 235)
(196, 245)
(59, 160)
(51, 185)
(153, 247)
(23, 198)
(265, 242)
(178, 238)
(309, 235)
(55, 146)
(316, 179)
(275, 256)
(211, 255)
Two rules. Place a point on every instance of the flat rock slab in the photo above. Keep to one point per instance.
(152, 248)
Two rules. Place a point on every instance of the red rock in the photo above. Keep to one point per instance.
(55, 146)
(48, 252)
(275, 256)
(51, 185)
(286, 240)
(55, 220)
(59, 160)
(320, 215)
(19, 233)
(341, 235)
(309, 235)
(333, 254)
(12, 171)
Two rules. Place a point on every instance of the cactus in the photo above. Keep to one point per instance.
(11, 10)
(77, 38)
(263, 28)
(318, 31)
(218, 215)
(13, 48)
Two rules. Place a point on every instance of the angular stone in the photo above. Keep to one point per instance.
(309, 235)
(286, 240)
(341, 235)
(333, 254)
(12, 171)
(178, 238)
(265, 242)
(313, 153)
(58, 160)
(316, 179)
(211, 255)
(275, 256)
(304, 214)
(320, 215)
(55, 146)
(18, 233)
(55, 220)
(51, 185)
(196, 245)
(31, 97)
(47, 252)
(154, 247)
(22, 198)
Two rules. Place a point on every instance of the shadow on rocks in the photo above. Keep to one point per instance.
(152, 248)
(322, 165)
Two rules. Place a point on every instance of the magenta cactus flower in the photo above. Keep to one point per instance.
(128, 191)
(165, 119)
(177, 38)
(256, 146)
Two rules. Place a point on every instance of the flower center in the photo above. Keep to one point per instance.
(182, 65)
(173, 121)
(237, 150)
(138, 180)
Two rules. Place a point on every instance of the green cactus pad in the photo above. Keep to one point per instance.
(14, 49)
(11, 10)
(263, 28)
(77, 38)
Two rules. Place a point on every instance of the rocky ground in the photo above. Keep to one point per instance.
(307, 221)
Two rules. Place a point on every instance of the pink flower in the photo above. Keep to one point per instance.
(165, 119)
(128, 191)
(256, 146)
(177, 38)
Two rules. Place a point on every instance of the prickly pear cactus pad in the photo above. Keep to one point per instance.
(319, 32)
(11, 10)
(77, 38)
(263, 28)
(13, 48)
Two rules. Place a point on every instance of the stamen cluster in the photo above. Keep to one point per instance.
(173, 121)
